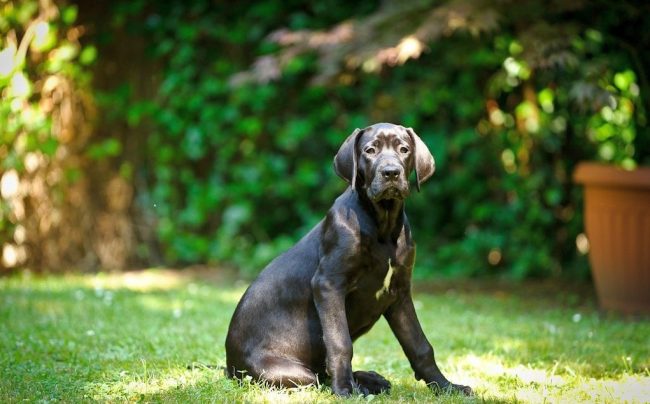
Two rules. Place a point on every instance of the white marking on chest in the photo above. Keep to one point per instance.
(386, 286)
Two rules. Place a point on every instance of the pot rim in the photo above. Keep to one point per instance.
(590, 173)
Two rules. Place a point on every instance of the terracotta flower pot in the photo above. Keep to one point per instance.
(617, 222)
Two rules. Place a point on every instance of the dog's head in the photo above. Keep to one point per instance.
(380, 158)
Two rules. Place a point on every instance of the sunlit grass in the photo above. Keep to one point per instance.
(131, 337)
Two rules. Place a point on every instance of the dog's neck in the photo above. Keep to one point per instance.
(389, 216)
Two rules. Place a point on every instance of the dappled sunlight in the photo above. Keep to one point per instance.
(137, 281)
(559, 383)
(162, 304)
(141, 281)
(50, 216)
(155, 384)
(488, 374)
(366, 43)
(409, 47)
(303, 394)
(629, 388)
(510, 344)
(125, 338)
(481, 366)
(157, 280)
(132, 386)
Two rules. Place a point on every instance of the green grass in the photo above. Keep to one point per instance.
(130, 338)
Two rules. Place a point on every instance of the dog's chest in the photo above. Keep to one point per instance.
(382, 273)
(382, 280)
(385, 273)
(386, 284)
(376, 288)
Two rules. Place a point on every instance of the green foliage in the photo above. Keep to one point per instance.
(237, 169)
(236, 174)
(526, 215)
(40, 70)
(60, 202)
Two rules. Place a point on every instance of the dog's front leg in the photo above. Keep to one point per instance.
(329, 296)
(403, 320)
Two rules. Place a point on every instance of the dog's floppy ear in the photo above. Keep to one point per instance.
(345, 161)
(423, 160)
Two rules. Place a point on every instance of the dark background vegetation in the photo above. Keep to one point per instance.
(138, 133)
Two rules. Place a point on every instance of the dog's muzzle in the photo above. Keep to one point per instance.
(389, 182)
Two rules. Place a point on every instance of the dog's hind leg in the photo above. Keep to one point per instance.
(282, 372)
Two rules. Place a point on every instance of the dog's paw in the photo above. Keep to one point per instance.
(343, 389)
(465, 390)
(371, 382)
(452, 388)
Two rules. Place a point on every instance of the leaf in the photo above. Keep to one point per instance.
(69, 14)
(108, 148)
(88, 55)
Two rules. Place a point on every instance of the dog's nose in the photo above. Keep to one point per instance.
(391, 172)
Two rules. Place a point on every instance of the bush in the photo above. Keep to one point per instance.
(51, 217)
(239, 161)
(224, 127)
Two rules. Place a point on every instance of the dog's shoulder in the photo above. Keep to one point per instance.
(344, 222)
(348, 215)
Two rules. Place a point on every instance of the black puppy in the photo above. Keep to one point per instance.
(298, 319)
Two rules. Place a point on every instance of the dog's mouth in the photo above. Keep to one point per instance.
(388, 204)
(389, 197)
(391, 193)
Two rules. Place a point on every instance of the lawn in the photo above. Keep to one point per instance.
(131, 337)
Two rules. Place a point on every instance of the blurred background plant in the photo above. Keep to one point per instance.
(50, 216)
(221, 119)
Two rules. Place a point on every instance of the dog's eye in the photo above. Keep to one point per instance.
(403, 149)
(370, 150)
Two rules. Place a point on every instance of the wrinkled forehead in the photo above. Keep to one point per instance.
(384, 135)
